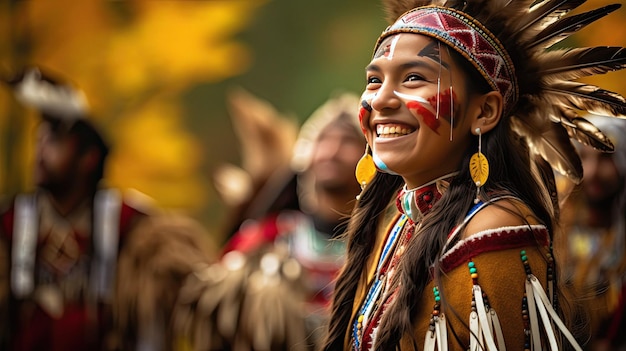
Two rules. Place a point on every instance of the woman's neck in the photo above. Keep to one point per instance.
(417, 181)
(410, 187)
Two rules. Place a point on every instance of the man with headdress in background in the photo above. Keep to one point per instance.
(594, 221)
(73, 248)
(281, 263)
(324, 158)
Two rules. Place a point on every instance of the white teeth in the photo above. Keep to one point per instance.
(392, 131)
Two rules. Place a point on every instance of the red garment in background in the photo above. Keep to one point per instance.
(81, 327)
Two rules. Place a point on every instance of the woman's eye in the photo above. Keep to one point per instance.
(373, 80)
(414, 77)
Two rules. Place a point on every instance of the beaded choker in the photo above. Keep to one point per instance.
(417, 202)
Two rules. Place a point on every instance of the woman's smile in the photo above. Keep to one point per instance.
(393, 130)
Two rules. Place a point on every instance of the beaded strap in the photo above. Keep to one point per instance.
(473, 211)
(375, 294)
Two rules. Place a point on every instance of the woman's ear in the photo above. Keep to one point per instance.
(491, 112)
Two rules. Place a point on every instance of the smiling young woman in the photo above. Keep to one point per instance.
(464, 112)
(404, 90)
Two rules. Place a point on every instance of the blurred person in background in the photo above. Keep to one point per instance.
(594, 220)
(83, 265)
(281, 262)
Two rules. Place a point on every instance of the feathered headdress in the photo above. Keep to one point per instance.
(508, 42)
(59, 101)
(338, 108)
(48, 95)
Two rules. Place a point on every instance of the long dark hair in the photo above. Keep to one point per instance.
(510, 174)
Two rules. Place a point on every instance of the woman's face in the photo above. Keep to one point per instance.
(419, 124)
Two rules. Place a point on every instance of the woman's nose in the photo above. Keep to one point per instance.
(386, 98)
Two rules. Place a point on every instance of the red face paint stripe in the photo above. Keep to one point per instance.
(363, 111)
(445, 100)
(429, 118)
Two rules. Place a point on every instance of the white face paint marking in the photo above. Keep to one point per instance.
(411, 97)
(368, 97)
(392, 47)
(417, 98)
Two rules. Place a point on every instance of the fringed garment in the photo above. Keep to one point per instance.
(495, 291)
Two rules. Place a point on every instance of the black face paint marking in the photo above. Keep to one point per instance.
(366, 106)
(431, 51)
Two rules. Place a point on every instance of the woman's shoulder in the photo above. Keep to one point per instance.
(497, 227)
(503, 213)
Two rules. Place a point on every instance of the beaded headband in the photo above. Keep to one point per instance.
(468, 37)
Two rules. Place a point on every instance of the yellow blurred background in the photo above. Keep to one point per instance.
(156, 75)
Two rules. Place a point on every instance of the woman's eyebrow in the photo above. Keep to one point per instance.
(410, 64)
(372, 67)
(421, 64)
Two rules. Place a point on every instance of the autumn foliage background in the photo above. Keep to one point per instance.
(157, 72)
